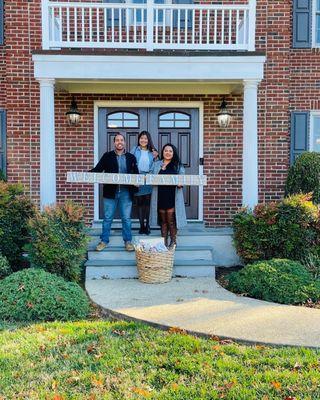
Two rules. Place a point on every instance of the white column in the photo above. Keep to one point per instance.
(250, 144)
(47, 144)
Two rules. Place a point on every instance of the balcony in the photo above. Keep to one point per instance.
(148, 26)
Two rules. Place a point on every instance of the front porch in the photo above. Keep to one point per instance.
(192, 81)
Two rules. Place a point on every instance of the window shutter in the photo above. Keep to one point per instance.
(299, 134)
(3, 163)
(1, 22)
(182, 15)
(302, 24)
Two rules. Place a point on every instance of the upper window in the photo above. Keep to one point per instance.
(122, 119)
(174, 120)
(317, 23)
(315, 132)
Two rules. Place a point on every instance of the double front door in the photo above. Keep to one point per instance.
(166, 125)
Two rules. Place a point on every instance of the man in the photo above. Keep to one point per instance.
(117, 161)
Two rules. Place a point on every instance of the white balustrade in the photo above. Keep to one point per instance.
(148, 26)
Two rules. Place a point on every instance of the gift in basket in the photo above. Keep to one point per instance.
(154, 260)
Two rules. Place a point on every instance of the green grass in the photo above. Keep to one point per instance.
(120, 360)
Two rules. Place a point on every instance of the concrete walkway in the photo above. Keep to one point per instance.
(201, 305)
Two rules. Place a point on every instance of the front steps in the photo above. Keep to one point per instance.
(198, 251)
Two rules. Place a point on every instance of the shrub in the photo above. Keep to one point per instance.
(2, 176)
(287, 229)
(15, 211)
(5, 268)
(312, 263)
(58, 240)
(36, 295)
(303, 176)
(282, 281)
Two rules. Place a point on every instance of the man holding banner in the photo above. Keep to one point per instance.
(117, 161)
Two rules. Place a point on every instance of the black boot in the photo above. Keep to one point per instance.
(171, 218)
(147, 229)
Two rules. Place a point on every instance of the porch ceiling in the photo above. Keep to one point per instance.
(147, 87)
(204, 69)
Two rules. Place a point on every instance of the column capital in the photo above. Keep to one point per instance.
(46, 82)
(251, 83)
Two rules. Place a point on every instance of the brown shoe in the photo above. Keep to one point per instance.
(129, 246)
(101, 246)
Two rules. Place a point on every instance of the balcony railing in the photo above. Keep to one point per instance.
(148, 26)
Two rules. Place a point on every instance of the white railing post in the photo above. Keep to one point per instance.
(45, 25)
(149, 25)
(252, 26)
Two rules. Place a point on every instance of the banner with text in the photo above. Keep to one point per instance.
(134, 179)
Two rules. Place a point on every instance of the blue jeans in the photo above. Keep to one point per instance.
(122, 198)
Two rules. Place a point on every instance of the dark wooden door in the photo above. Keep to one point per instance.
(181, 128)
(166, 125)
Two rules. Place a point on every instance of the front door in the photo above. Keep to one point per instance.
(166, 125)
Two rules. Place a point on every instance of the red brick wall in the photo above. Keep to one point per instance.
(292, 79)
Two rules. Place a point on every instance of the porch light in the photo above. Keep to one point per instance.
(73, 114)
(224, 116)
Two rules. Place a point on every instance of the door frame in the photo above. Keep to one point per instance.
(147, 104)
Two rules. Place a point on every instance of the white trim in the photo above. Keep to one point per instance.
(148, 68)
(147, 104)
(312, 115)
(313, 33)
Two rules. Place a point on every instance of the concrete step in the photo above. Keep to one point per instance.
(130, 271)
(135, 224)
(182, 253)
(132, 263)
(220, 241)
(188, 231)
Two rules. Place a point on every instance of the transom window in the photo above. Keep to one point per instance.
(122, 119)
(315, 132)
(174, 120)
(317, 22)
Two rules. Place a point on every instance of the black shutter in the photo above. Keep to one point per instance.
(302, 24)
(1, 22)
(299, 134)
(182, 15)
(3, 162)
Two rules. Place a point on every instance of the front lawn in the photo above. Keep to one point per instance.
(120, 360)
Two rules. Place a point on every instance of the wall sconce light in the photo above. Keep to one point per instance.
(224, 116)
(73, 114)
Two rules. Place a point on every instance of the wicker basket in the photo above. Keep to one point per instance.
(155, 267)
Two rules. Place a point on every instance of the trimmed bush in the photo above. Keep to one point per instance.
(58, 240)
(36, 295)
(287, 229)
(15, 211)
(281, 281)
(304, 176)
(5, 268)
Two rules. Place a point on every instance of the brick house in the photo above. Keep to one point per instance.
(164, 66)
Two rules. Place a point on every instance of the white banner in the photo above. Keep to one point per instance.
(132, 179)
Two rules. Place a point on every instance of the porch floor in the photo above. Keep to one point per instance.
(200, 305)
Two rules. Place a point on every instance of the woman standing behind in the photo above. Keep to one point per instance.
(145, 154)
(167, 202)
